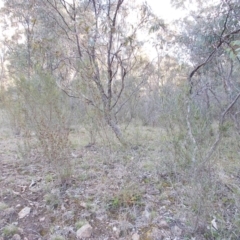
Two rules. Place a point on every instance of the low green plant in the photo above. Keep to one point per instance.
(80, 223)
(40, 113)
(125, 198)
(49, 178)
(10, 230)
(3, 206)
(52, 200)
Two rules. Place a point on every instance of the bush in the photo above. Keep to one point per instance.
(40, 112)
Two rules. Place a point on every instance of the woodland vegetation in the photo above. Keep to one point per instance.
(113, 118)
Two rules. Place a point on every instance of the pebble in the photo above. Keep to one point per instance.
(135, 236)
(85, 231)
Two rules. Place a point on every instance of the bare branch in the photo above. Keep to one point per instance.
(219, 137)
(54, 6)
(222, 39)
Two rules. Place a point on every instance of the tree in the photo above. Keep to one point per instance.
(210, 37)
(91, 47)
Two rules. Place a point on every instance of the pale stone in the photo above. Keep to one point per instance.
(163, 224)
(24, 212)
(135, 236)
(16, 237)
(177, 231)
(155, 233)
(85, 231)
(83, 205)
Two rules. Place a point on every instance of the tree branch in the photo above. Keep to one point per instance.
(222, 39)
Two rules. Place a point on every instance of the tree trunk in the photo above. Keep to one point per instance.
(115, 128)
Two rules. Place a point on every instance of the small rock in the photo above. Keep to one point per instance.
(125, 226)
(67, 216)
(101, 216)
(177, 231)
(135, 236)
(9, 211)
(166, 202)
(85, 231)
(154, 234)
(165, 234)
(16, 237)
(83, 205)
(69, 232)
(33, 183)
(163, 224)
(30, 237)
(20, 230)
(24, 212)
(116, 231)
(63, 207)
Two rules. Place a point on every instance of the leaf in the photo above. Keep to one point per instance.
(232, 55)
(214, 224)
(236, 43)
(238, 49)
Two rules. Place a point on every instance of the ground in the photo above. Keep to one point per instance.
(122, 192)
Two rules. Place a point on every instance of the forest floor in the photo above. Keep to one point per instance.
(114, 192)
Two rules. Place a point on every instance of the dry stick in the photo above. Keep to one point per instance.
(216, 143)
(189, 128)
(194, 71)
(219, 137)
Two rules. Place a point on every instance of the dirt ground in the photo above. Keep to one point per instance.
(122, 193)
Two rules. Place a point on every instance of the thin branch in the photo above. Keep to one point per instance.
(190, 133)
(59, 13)
(123, 73)
(64, 4)
(88, 101)
(110, 45)
(219, 137)
(222, 39)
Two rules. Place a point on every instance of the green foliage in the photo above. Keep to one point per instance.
(79, 224)
(10, 230)
(125, 198)
(234, 50)
(42, 115)
(52, 200)
(3, 206)
(113, 82)
(49, 178)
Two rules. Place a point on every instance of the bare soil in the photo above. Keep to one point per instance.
(123, 193)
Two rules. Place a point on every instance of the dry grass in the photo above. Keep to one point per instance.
(122, 190)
